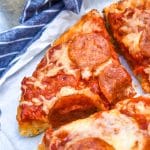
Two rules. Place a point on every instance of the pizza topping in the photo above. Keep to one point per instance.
(59, 61)
(111, 80)
(89, 26)
(89, 50)
(132, 41)
(86, 73)
(72, 107)
(51, 86)
(101, 67)
(27, 103)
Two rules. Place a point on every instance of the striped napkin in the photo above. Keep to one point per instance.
(36, 15)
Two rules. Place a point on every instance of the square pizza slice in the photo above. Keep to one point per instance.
(126, 127)
(129, 22)
(79, 75)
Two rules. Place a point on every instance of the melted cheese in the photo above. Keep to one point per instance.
(100, 68)
(142, 108)
(67, 90)
(26, 103)
(114, 128)
(38, 83)
(63, 62)
(131, 28)
(90, 26)
(132, 41)
(35, 82)
(47, 104)
(122, 5)
(86, 73)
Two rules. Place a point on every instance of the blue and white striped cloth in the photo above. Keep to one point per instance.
(36, 15)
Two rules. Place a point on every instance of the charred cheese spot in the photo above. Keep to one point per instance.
(89, 50)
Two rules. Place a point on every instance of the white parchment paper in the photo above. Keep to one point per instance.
(10, 89)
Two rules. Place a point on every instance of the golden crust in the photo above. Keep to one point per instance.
(30, 128)
(41, 147)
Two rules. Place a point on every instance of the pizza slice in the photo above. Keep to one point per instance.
(138, 108)
(81, 74)
(116, 129)
(129, 22)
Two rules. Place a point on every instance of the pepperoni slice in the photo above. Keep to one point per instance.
(71, 107)
(113, 82)
(89, 50)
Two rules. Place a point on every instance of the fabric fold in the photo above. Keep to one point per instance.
(36, 15)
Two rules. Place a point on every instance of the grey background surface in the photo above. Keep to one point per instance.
(10, 11)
